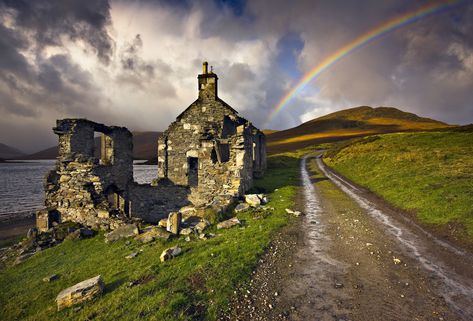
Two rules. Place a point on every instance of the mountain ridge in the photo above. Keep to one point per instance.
(9, 152)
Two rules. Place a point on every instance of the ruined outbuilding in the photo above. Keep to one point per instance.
(206, 158)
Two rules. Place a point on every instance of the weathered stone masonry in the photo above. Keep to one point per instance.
(211, 149)
(206, 158)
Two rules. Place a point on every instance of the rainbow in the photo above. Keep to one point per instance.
(363, 40)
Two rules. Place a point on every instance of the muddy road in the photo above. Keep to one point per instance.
(352, 257)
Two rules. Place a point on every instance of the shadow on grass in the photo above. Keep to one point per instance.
(284, 172)
(114, 285)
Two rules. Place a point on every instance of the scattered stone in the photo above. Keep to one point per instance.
(123, 231)
(170, 253)
(289, 211)
(73, 235)
(396, 260)
(86, 232)
(228, 223)
(263, 199)
(187, 211)
(186, 231)
(242, 207)
(202, 225)
(22, 258)
(50, 278)
(151, 234)
(163, 222)
(338, 285)
(131, 255)
(187, 239)
(253, 200)
(174, 222)
(80, 292)
(32, 233)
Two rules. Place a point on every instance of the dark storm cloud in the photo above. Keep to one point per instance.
(135, 69)
(47, 20)
(259, 49)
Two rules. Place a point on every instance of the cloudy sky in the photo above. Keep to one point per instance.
(134, 63)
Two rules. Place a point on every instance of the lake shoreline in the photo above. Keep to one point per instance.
(14, 228)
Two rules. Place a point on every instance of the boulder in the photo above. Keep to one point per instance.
(252, 200)
(152, 233)
(174, 222)
(170, 253)
(228, 223)
(123, 231)
(242, 207)
(80, 292)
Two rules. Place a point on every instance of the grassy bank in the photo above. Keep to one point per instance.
(427, 173)
(196, 285)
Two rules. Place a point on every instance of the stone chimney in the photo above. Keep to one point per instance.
(207, 83)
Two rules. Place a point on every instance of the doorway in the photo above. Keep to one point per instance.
(193, 175)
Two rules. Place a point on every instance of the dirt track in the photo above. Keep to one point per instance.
(353, 258)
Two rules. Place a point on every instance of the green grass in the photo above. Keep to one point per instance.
(428, 173)
(196, 285)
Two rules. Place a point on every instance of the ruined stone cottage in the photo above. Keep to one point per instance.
(206, 158)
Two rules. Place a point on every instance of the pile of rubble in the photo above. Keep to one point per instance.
(36, 241)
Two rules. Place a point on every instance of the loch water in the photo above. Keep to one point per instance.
(21, 185)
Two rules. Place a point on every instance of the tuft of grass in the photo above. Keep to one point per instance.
(196, 285)
(428, 173)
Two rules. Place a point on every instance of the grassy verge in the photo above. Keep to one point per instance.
(196, 285)
(428, 173)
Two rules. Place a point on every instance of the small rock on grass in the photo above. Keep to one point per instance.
(120, 232)
(228, 223)
(252, 200)
(170, 253)
(202, 225)
(50, 278)
(80, 292)
(241, 207)
(131, 255)
(186, 231)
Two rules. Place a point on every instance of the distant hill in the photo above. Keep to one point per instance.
(8, 152)
(269, 131)
(144, 147)
(348, 123)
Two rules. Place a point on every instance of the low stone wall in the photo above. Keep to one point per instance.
(152, 203)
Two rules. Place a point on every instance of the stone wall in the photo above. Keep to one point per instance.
(152, 203)
(206, 158)
(85, 189)
(210, 148)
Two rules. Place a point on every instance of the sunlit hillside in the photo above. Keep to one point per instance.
(349, 123)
